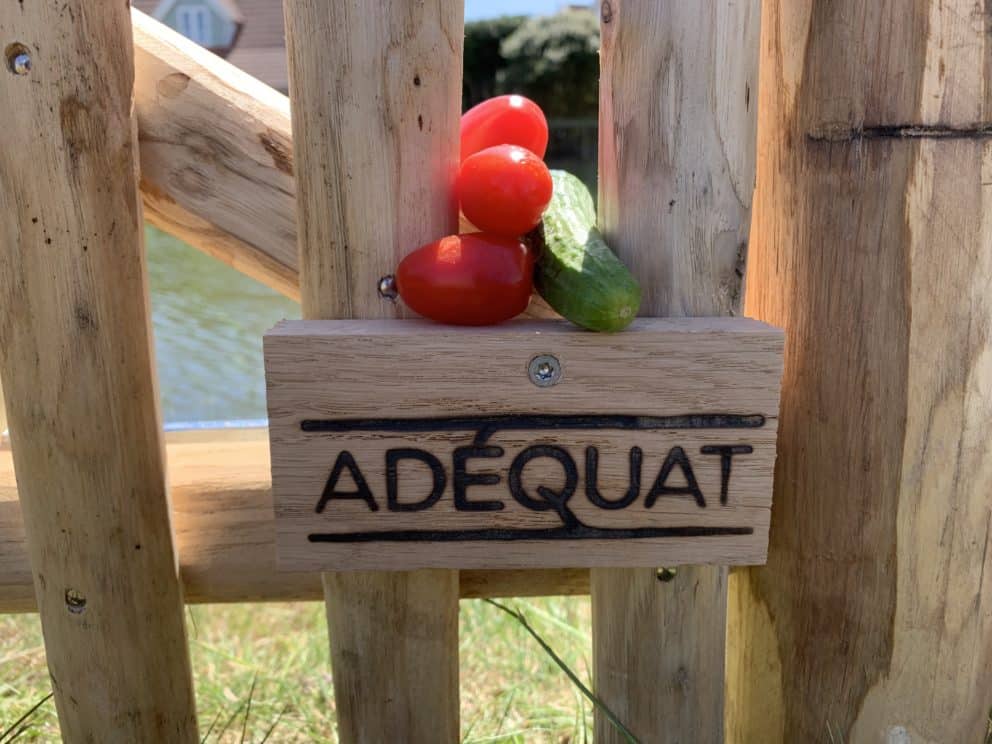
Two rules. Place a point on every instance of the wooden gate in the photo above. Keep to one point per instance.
(872, 621)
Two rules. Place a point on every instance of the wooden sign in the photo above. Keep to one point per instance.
(402, 444)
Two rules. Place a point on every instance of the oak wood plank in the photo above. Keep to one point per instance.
(872, 246)
(672, 421)
(78, 372)
(375, 106)
(676, 172)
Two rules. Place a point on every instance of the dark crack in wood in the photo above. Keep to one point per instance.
(901, 131)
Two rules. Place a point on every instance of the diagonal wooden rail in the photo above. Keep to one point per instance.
(216, 156)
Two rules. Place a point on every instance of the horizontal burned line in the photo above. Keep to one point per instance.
(499, 534)
(901, 131)
(532, 422)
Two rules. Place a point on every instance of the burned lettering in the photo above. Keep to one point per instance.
(346, 461)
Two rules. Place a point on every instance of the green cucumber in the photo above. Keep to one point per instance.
(576, 272)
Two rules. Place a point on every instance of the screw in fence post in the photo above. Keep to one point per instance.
(544, 370)
(75, 602)
(387, 288)
(18, 59)
(667, 574)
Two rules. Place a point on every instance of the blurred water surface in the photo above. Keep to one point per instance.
(209, 320)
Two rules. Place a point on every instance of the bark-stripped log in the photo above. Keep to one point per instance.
(873, 248)
(79, 376)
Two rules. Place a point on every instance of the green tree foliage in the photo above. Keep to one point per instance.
(554, 60)
(483, 58)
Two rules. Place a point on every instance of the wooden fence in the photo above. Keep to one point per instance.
(871, 245)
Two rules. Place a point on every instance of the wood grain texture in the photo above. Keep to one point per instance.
(678, 105)
(375, 105)
(676, 174)
(216, 156)
(375, 142)
(225, 535)
(711, 371)
(872, 246)
(78, 371)
(3, 418)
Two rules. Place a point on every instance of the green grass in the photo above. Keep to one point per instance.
(270, 661)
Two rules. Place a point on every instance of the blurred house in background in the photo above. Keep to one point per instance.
(214, 24)
(249, 33)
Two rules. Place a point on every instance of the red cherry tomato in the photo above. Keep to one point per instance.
(475, 279)
(504, 190)
(504, 120)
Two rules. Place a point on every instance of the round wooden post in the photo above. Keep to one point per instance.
(3, 414)
(676, 173)
(79, 377)
(375, 91)
(872, 246)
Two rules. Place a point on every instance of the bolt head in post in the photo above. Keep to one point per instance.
(22, 63)
(75, 602)
(18, 59)
(387, 288)
(667, 574)
(544, 370)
